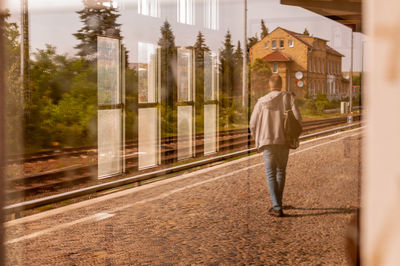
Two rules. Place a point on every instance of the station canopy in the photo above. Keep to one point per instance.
(347, 12)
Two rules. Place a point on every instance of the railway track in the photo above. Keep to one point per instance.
(78, 175)
(88, 150)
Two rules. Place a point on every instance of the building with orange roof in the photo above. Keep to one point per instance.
(307, 64)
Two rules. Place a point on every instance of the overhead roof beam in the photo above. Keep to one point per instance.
(347, 12)
(336, 5)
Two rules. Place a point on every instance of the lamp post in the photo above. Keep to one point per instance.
(2, 139)
(351, 75)
(25, 49)
(244, 79)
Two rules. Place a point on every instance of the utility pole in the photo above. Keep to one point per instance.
(25, 50)
(2, 138)
(362, 74)
(351, 74)
(244, 78)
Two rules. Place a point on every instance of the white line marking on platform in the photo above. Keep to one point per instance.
(101, 216)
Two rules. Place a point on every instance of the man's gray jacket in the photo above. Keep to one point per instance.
(266, 122)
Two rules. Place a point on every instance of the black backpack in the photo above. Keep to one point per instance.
(291, 126)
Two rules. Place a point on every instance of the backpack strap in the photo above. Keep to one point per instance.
(286, 101)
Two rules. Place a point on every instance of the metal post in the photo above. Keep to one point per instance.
(362, 74)
(351, 75)
(25, 49)
(2, 138)
(244, 85)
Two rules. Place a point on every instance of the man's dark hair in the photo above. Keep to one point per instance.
(276, 81)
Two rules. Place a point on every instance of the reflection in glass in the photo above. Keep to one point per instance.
(185, 12)
(109, 143)
(108, 67)
(210, 128)
(147, 67)
(109, 94)
(148, 137)
(185, 75)
(211, 14)
(149, 8)
(185, 132)
(210, 76)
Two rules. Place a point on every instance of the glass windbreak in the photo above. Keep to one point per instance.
(147, 72)
(108, 71)
(185, 75)
(108, 95)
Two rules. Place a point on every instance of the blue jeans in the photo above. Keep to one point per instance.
(275, 160)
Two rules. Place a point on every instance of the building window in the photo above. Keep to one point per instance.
(322, 87)
(275, 68)
(334, 88)
(149, 8)
(315, 88)
(185, 12)
(315, 65)
(274, 44)
(291, 43)
(281, 44)
(323, 66)
(309, 64)
(211, 14)
(319, 87)
(266, 45)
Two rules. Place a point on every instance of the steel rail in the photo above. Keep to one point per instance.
(53, 154)
(26, 205)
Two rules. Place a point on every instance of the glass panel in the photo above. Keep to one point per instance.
(185, 12)
(185, 132)
(149, 7)
(148, 137)
(210, 128)
(109, 143)
(210, 76)
(147, 68)
(185, 75)
(108, 67)
(211, 13)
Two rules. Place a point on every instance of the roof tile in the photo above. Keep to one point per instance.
(277, 56)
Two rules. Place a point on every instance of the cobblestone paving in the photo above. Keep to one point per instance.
(223, 221)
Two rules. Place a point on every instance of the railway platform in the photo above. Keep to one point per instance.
(216, 215)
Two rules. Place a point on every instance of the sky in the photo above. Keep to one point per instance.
(54, 22)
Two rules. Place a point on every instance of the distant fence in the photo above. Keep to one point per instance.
(330, 111)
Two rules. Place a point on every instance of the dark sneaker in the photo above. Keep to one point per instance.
(275, 213)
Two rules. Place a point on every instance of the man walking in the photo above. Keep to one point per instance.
(266, 125)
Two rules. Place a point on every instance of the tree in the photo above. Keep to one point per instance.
(99, 19)
(227, 65)
(200, 47)
(264, 29)
(306, 33)
(14, 93)
(64, 101)
(260, 72)
(238, 70)
(168, 81)
(252, 41)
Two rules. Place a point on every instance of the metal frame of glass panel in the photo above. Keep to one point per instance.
(211, 97)
(149, 96)
(111, 99)
(186, 108)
